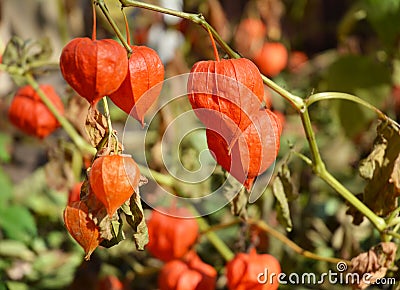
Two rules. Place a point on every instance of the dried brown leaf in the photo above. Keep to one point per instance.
(375, 262)
(76, 112)
(59, 173)
(271, 12)
(381, 170)
(284, 192)
(239, 204)
(96, 126)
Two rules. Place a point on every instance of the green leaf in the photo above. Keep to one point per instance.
(12, 285)
(103, 221)
(33, 193)
(284, 192)
(54, 269)
(384, 19)
(360, 76)
(283, 205)
(117, 234)
(16, 249)
(17, 223)
(13, 51)
(24, 54)
(381, 170)
(38, 50)
(352, 117)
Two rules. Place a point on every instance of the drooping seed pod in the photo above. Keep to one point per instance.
(253, 271)
(272, 58)
(81, 227)
(255, 150)
(225, 94)
(249, 36)
(109, 282)
(94, 68)
(170, 234)
(113, 179)
(28, 113)
(190, 273)
(145, 72)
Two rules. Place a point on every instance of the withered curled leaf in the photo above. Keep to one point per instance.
(381, 170)
(375, 263)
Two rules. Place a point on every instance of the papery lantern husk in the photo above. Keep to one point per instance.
(94, 68)
(249, 36)
(190, 273)
(113, 179)
(109, 282)
(227, 92)
(28, 113)
(145, 72)
(171, 235)
(243, 271)
(81, 227)
(255, 150)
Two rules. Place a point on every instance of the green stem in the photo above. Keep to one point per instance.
(108, 118)
(377, 221)
(276, 234)
(107, 14)
(393, 234)
(396, 228)
(393, 222)
(75, 137)
(307, 160)
(297, 102)
(318, 164)
(156, 176)
(393, 218)
(320, 170)
(12, 70)
(214, 239)
(343, 96)
(222, 226)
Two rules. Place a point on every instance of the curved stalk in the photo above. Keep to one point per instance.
(75, 137)
(167, 180)
(348, 97)
(377, 221)
(214, 239)
(107, 14)
(320, 170)
(266, 228)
